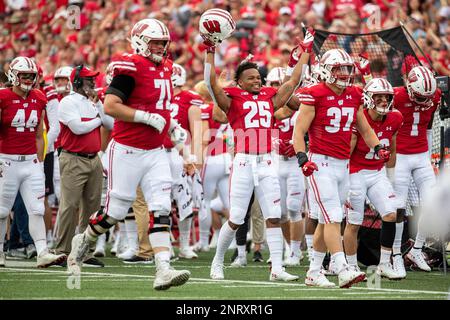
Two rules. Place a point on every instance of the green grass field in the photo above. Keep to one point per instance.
(21, 280)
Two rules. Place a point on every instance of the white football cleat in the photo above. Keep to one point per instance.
(386, 270)
(46, 259)
(331, 271)
(292, 261)
(80, 250)
(187, 253)
(282, 276)
(318, 280)
(99, 252)
(419, 260)
(399, 265)
(164, 279)
(216, 271)
(239, 262)
(348, 277)
(357, 269)
(198, 247)
(127, 254)
(2, 259)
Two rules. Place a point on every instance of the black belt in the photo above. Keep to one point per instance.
(83, 155)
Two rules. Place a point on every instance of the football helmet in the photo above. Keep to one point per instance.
(109, 73)
(337, 67)
(178, 75)
(22, 65)
(216, 25)
(277, 74)
(374, 87)
(63, 72)
(145, 31)
(421, 86)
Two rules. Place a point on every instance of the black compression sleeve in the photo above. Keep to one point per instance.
(121, 86)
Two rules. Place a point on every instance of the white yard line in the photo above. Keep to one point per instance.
(225, 282)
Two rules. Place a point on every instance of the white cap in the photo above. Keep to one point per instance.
(285, 10)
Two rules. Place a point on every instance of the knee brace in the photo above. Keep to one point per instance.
(100, 222)
(159, 233)
(401, 215)
(295, 216)
(387, 234)
(284, 218)
(130, 214)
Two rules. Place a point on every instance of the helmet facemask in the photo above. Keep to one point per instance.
(377, 100)
(26, 77)
(342, 75)
(62, 89)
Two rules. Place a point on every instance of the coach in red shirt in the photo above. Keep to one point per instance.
(80, 115)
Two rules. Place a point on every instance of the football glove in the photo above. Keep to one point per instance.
(308, 167)
(154, 120)
(382, 152)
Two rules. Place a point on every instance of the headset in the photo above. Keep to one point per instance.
(77, 81)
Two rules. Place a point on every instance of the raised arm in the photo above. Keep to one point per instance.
(215, 90)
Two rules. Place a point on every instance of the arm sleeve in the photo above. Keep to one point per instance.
(122, 86)
(107, 121)
(79, 127)
(52, 115)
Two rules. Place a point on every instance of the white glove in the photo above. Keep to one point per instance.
(154, 120)
(177, 134)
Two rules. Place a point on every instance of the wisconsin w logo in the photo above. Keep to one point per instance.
(212, 26)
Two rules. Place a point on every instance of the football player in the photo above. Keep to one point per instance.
(249, 108)
(139, 99)
(368, 177)
(417, 101)
(328, 112)
(22, 111)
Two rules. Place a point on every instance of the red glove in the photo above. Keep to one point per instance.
(382, 153)
(290, 152)
(286, 149)
(294, 56)
(308, 40)
(363, 66)
(308, 168)
(210, 46)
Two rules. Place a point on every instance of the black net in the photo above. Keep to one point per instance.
(386, 49)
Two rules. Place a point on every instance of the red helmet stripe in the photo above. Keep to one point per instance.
(220, 13)
(427, 79)
(163, 29)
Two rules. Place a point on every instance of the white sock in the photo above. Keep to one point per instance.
(385, 256)
(315, 265)
(185, 230)
(274, 238)
(339, 260)
(205, 227)
(49, 235)
(3, 223)
(226, 236)
(241, 251)
(101, 240)
(132, 234)
(309, 241)
(295, 247)
(352, 260)
(397, 246)
(418, 244)
(36, 227)
(162, 260)
(123, 239)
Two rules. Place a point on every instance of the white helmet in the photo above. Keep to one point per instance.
(109, 74)
(378, 86)
(147, 30)
(421, 86)
(178, 75)
(22, 65)
(63, 72)
(216, 25)
(336, 60)
(277, 74)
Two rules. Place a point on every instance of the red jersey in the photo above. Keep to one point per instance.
(330, 132)
(363, 157)
(218, 132)
(251, 117)
(180, 105)
(19, 121)
(152, 93)
(101, 91)
(412, 136)
(286, 128)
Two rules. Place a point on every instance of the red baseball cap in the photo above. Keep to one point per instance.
(85, 72)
